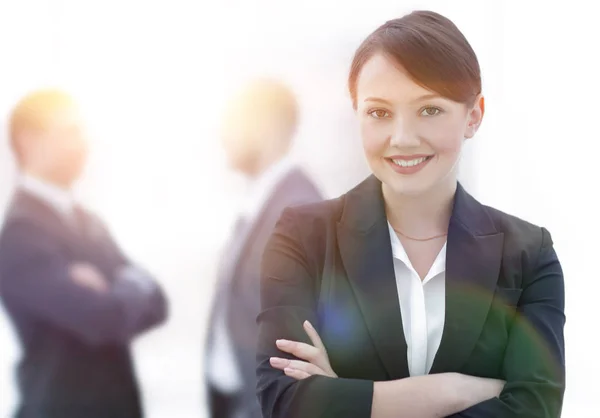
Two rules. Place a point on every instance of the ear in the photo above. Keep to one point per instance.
(475, 117)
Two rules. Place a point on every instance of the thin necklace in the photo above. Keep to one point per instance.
(420, 239)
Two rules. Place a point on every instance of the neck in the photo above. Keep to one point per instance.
(54, 180)
(422, 215)
(265, 163)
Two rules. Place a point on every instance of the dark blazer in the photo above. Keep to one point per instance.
(331, 263)
(75, 356)
(239, 280)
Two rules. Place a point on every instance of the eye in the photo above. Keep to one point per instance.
(431, 111)
(378, 113)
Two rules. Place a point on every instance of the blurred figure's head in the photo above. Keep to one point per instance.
(47, 137)
(259, 125)
(415, 84)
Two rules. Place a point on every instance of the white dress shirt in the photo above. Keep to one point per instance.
(423, 306)
(223, 371)
(261, 188)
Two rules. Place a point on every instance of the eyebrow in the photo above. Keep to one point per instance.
(418, 99)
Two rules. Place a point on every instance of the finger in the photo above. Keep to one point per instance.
(93, 284)
(282, 364)
(314, 336)
(100, 285)
(279, 363)
(323, 361)
(309, 368)
(75, 269)
(308, 353)
(302, 351)
(296, 374)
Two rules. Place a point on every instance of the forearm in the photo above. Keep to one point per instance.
(129, 307)
(315, 397)
(520, 399)
(436, 395)
(143, 301)
(492, 408)
(430, 396)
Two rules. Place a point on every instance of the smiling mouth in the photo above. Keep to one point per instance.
(410, 163)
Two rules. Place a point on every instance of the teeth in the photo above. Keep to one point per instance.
(409, 163)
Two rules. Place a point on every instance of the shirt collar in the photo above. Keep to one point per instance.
(261, 187)
(58, 198)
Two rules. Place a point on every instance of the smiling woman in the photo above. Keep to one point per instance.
(406, 296)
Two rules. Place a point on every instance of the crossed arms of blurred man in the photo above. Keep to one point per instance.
(105, 303)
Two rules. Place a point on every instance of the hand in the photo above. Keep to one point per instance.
(491, 388)
(315, 356)
(86, 275)
(472, 390)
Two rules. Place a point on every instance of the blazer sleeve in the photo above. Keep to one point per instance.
(35, 281)
(147, 302)
(534, 361)
(288, 298)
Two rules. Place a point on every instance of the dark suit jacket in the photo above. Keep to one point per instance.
(76, 362)
(242, 284)
(331, 263)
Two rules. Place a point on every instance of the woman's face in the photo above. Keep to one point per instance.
(412, 137)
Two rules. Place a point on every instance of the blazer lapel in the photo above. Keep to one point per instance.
(27, 206)
(82, 235)
(473, 259)
(244, 234)
(246, 231)
(366, 252)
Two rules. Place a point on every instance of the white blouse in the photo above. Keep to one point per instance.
(422, 304)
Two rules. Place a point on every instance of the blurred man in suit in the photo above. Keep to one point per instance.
(259, 127)
(75, 299)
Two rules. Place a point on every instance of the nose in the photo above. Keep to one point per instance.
(403, 136)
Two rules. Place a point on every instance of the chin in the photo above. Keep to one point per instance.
(244, 164)
(411, 186)
(409, 190)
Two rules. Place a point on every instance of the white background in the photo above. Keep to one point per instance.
(153, 76)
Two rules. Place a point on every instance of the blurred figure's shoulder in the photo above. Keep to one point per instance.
(21, 225)
(327, 210)
(20, 215)
(299, 188)
(315, 221)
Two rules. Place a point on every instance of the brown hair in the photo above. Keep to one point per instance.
(33, 112)
(431, 49)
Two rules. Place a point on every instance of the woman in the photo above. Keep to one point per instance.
(406, 297)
